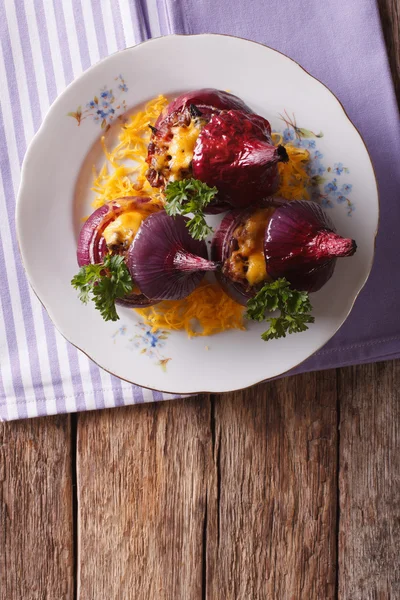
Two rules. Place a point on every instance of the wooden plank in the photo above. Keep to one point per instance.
(230, 499)
(142, 487)
(36, 526)
(272, 512)
(369, 531)
(390, 18)
(369, 538)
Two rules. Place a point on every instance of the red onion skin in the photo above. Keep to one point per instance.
(302, 245)
(164, 260)
(207, 100)
(234, 152)
(92, 245)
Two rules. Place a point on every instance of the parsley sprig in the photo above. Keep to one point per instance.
(294, 307)
(190, 196)
(103, 283)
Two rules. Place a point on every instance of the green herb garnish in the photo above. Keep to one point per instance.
(190, 196)
(103, 283)
(294, 306)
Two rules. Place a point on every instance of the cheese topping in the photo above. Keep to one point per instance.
(123, 229)
(247, 261)
(181, 148)
(295, 179)
(256, 271)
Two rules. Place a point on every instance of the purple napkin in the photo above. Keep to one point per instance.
(340, 43)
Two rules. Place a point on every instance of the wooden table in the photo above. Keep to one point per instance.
(287, 491)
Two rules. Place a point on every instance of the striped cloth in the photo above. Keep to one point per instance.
(45, 44)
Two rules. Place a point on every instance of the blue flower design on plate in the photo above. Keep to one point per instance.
(332, 192)
(149, 342)
(105, 107)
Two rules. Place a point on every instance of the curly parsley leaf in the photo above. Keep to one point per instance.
(190, 196)
(294, 308)
(104, 283)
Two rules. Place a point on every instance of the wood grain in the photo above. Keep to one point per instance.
(390, 18)
(232, 498)
(36, 537)
(369, 549)
(142, 495)
(272, 532)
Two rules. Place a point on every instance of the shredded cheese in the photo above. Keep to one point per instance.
(295, 181)
(208, 310)
(124, 172)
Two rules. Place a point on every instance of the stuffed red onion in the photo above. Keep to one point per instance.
(214, 137)
(292, 240)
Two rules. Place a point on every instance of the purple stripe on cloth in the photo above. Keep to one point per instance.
(118, 27)
(145, 18)
(81, 34)
(76, 377)
(137, 394)
(99, 27)
(97, 385)
(46, 50)
(172, 18)
(157, 396)
(117, 391)
(28, 61)
(63, 40)
(140, 27)
(56, 378)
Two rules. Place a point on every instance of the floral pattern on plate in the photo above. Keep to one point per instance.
(105, 107)
(328, 186)
(148, 341)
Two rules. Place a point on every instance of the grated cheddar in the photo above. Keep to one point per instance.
(295, 180)
(124, 172)
(208, 310)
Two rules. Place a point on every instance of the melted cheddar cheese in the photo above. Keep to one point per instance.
(181, 148)
(256, 269)
(247, 261)
(123, 229)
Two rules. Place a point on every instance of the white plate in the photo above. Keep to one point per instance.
(51, 204)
